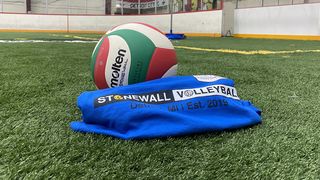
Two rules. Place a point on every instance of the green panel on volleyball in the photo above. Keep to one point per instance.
(141, 48)
(94, 57)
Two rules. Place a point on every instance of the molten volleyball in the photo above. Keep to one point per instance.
(132, 53)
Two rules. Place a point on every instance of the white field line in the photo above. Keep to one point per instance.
(46, 41)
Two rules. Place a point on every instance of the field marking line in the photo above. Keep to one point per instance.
(83, 38)
(75, 37)
(46, 41)
(231, 51)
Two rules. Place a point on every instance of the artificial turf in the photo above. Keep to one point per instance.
(39, 84)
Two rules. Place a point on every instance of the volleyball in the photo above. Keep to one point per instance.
(132, 53)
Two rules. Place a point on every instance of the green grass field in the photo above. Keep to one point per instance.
(39, 84)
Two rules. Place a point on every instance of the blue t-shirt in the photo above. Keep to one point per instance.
(172, 106)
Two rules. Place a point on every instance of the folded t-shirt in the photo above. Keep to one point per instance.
(171, 106)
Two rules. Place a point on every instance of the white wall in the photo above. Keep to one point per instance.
(33, 22)
(301, 19)
(103, 23)
(200, 22)
(196, 22)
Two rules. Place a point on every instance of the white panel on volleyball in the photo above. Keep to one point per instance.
(118, 62)
(158, 39)
(171, 72)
